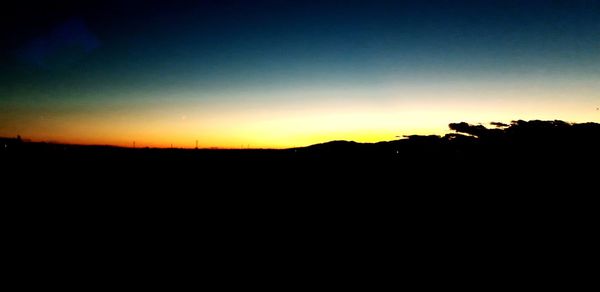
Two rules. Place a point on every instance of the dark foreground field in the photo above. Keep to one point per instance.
(524, 192)
(540, 153)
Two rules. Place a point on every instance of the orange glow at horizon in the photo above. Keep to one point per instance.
(261, 123)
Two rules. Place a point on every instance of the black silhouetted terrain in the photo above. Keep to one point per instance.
(521, 141)
(532, 139)
(536, 146)
(505, 185)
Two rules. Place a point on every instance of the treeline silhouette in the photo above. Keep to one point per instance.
(537, 175)
(518, 142)
(525, 151)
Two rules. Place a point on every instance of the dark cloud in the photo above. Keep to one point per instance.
(499, 124)
(462, 127)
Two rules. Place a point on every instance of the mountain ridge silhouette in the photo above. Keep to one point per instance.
(525, 172)
(520, 133)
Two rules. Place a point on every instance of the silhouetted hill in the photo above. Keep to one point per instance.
(334, 145)
(519, 140)
(476, 183)
(551, 150)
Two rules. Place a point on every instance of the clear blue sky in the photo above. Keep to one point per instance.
(288, 73)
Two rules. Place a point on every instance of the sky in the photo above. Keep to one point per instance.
(278, 74)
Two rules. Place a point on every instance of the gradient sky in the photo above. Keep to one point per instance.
(290, 73)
